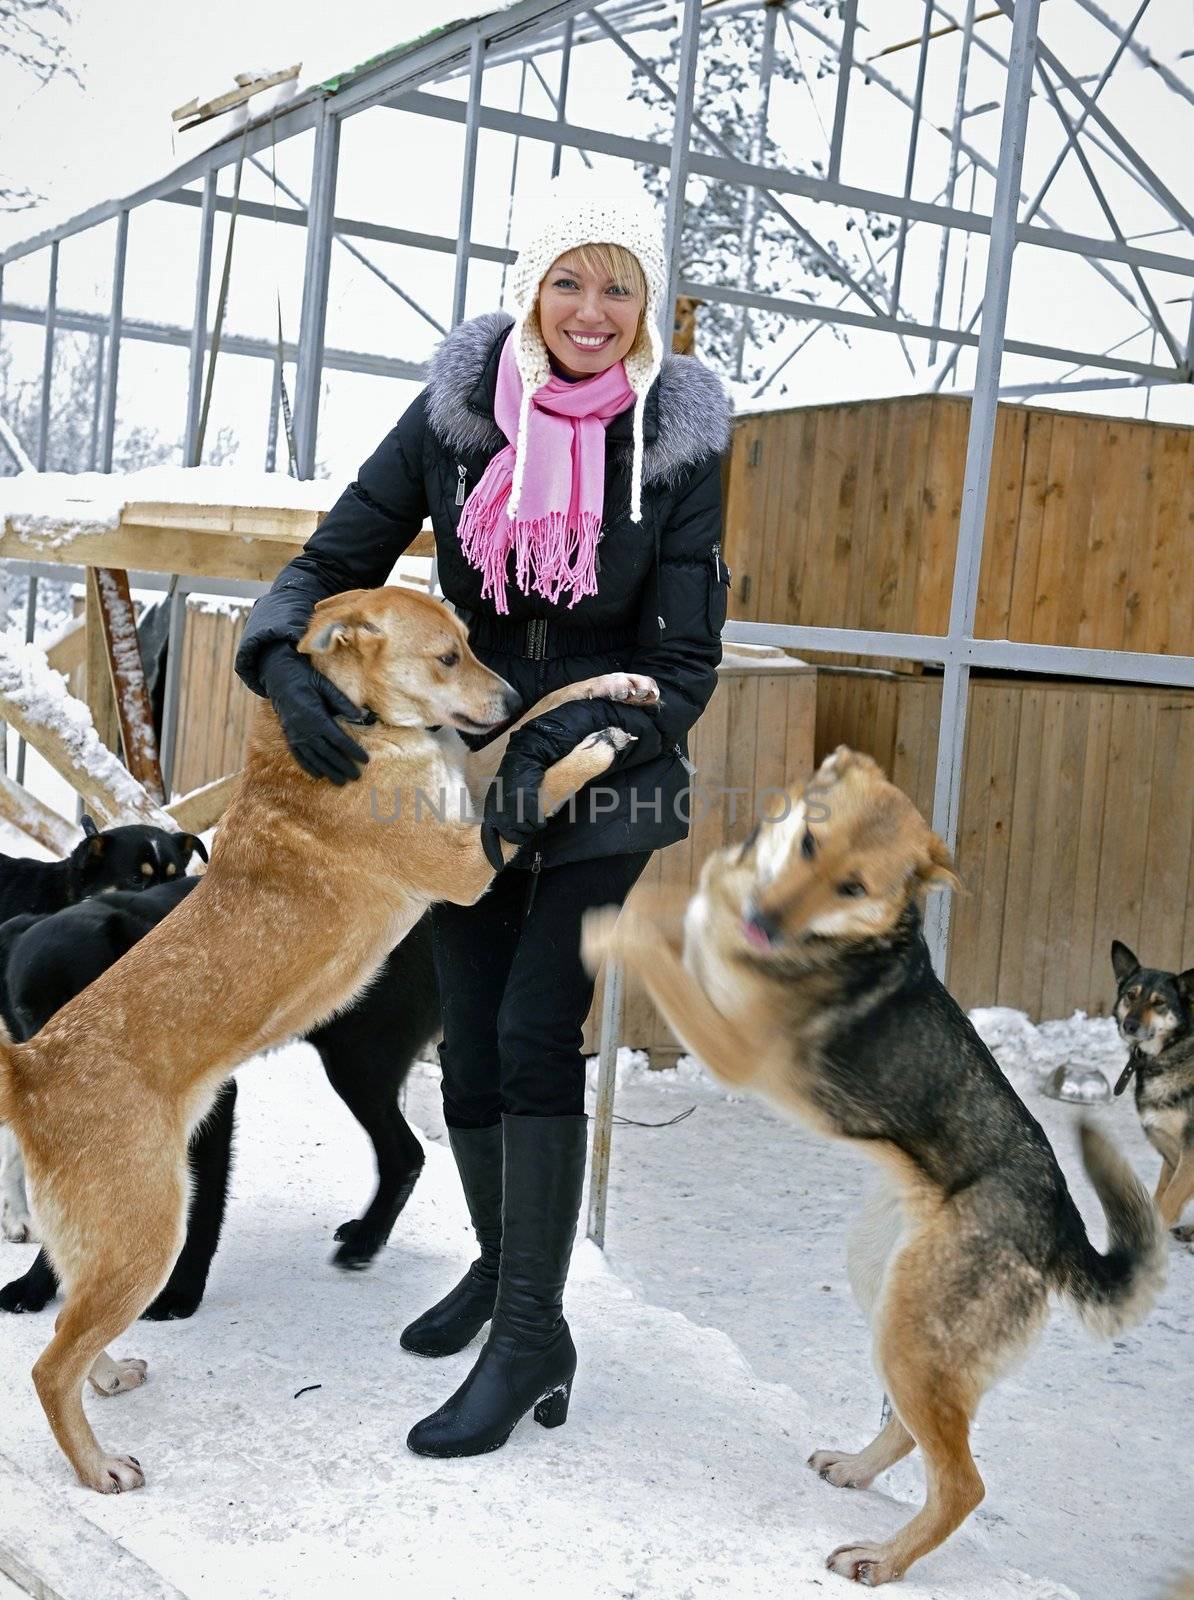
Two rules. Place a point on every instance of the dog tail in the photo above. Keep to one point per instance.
(1113, 1291)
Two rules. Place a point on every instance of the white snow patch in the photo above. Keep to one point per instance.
(680, 1474)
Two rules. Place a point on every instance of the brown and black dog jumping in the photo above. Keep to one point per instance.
(804, 975)
(310, 887)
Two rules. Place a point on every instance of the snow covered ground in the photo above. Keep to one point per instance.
(718, 1347)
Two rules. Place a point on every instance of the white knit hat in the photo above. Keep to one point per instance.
(593, 209)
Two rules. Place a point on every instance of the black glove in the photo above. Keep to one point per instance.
(307, 705)
(512, 800)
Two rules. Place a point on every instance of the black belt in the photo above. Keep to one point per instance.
(541, 640)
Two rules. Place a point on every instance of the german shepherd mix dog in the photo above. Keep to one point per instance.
(1154, 1011)
(307, 893)
(805, 976)
(126, 858)
(366, 1051)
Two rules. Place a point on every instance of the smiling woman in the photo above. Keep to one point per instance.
(572, 475)
(590, 308)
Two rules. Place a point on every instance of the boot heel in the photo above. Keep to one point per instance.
(552, 1410)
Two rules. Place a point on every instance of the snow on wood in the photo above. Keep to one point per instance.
(202, 808)
(128, 678)
(36, 701)
(33, 817)
(47, 510)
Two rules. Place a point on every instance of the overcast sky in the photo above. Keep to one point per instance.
(137, 59)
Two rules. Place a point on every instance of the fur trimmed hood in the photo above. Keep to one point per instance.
(686, 419)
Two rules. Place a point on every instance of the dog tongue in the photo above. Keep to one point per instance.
(755, 935)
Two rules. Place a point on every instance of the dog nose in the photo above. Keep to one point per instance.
(760, 927)
(511, 702)
(1131, 1027)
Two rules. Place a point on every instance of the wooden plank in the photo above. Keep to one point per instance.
(68, 648)
(36, 819)
(1136, 538)
(773, 533)
(928, 690)
(130, 692)
(101, 701)
(805, 553)
(910, 518)
(135, 548)
(1055, 576)
(1002, 530)
(1071, 760)
(1019, 872)
(801, 739)
(740, 523)
(60, 729)
(942, 509)
(1168, 588)
(1041, 840)
(1163, 908)
(1089, 828)
(202, 808)
(969, 857)
(1006, 706)
(1101, 572)
(1125, 842)
(1034, 490)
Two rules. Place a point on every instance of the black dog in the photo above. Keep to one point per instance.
(118, 858)
(366, 1052)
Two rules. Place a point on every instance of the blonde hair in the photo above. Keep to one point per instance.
(615, 262)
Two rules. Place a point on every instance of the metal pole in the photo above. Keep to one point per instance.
(979, 446)
(522, 91)
(603, 1119)
(562, 100)
(275, 402)
(673, 227)
(97, 403)
(316, 272)
(47, 362)
(750, 208)
(913, 140)
(207, 218)
(43, 448)
(955, 145)
(171, 693)
(468, 176)
(845, 67)
(112, 365)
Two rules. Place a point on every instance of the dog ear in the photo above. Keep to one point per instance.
(336, 633)
(1123, 961)
(937, 871)
(1185, 987)
(89, 826)
(192, 845)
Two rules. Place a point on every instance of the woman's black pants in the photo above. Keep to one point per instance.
(514, 994)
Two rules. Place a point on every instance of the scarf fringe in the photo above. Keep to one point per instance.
(551, 554)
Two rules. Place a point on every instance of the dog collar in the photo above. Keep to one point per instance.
(1125, 1076)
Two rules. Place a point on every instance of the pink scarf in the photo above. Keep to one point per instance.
(553, 525)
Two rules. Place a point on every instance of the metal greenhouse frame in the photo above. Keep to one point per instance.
(530, 31)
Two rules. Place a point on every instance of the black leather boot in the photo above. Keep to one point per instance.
(529, 1359)
(459, 1317)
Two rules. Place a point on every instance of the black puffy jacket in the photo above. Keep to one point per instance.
(662, 585)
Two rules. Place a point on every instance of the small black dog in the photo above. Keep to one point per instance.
(1154, 1011)
(366, 1052)
(118, 858)
(132, 858)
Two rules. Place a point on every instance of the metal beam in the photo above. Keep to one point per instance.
(562, 98)
(947, 789)
(207, 219)
(955, 148)
(812, 311)
(313, 316)
(112, 365)
(233, 344)
(673, 225)
(845, 63)
(1169, 78)
(353, 251)
(47, 362)
(468, 177)
(731, 170)
(913, 142)
(257, 211)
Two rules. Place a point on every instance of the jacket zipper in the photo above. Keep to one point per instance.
(461, 475)
(684, 761)
(718, 566)
(536, 864)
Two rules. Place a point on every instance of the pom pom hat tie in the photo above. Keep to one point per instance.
(519, 504)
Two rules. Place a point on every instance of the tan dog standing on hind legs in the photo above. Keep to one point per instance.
(804, 975)
(309, 889)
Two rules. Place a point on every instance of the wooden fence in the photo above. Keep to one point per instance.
(847, 516)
